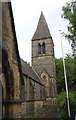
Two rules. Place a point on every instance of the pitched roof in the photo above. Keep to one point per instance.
(42, 30)
(29, 71)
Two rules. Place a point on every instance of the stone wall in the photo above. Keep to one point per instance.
(34, 96)
(38, 105)
(8, 42)
(44, 65)
(50, 102)
(31, 107)
(11, 66)
(34, 90)
(48, 43)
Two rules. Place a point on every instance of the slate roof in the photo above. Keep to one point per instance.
(30, 72)
(42, 30)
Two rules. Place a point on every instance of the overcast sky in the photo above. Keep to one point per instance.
(26, 15)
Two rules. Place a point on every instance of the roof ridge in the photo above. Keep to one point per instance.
(36, 73)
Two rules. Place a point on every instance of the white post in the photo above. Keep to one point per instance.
(65, 76)
(0, 60)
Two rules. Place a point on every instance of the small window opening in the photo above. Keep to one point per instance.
(43, 48)
(39, 48)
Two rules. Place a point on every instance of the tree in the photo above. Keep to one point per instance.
(69, 62)
(71, 80)
(69, 13)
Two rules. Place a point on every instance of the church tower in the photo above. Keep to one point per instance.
(43, 60)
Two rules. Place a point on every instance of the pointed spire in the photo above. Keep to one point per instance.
(42, 30)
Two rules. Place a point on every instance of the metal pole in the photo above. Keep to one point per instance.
(0, 60)
(68, 103)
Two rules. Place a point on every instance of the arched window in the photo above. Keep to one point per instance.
(39, 48)
(43, 48)
(44, 78)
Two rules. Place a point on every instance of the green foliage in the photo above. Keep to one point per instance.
(61, 98)
(71, 77)
(69, 13)
(59, 75)
(70, 71)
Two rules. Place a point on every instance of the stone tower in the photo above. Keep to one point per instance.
(43, 60)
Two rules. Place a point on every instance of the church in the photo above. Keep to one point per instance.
(25, 88)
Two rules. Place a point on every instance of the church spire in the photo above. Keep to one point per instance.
(42, 30)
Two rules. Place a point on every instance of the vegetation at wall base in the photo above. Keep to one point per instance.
(47, 112)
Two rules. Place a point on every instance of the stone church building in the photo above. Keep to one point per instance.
(25, 88)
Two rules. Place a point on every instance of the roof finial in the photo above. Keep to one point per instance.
(41, 12)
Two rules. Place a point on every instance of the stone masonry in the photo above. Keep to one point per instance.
(43, 60)
(25, 88)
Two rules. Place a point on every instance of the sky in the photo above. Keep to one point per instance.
(26, 16)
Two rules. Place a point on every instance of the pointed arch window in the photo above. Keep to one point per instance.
(39, 48)
(43, 48)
